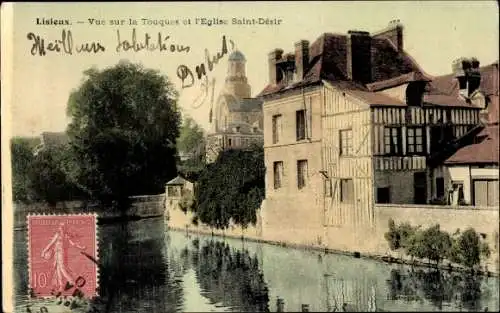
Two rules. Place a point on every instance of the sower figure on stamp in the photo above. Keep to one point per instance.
(59, 245)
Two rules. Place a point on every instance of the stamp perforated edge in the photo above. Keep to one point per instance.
(96, 246)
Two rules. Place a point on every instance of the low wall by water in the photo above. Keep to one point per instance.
(365, 239)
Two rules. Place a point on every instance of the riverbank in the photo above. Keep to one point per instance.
(380, 258)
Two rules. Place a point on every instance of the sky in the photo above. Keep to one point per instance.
(435, 34)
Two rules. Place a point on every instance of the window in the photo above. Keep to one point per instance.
(346, 191)
(392, 140)
(229, 142)
(345, 137)
(278, 174)
(301, 173)
(276, 128)
(173, 191)
(300, 124)
(439, 187)
(384, 195)
(415, 143)
(486, 193)
(328, 188)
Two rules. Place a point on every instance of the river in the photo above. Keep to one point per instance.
(144, 267)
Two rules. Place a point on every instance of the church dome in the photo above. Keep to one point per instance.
(237, 56)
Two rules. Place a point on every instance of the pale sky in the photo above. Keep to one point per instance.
(435, 34)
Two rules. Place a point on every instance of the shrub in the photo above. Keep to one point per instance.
(467, 249)
(435, 245)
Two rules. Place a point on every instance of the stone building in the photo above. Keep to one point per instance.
(237, 118)
(175, 190)
(350, 121)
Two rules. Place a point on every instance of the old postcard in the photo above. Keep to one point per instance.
(250, 156)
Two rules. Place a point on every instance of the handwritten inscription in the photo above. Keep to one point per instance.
(185, 74)
(148, 44)
(64, 45)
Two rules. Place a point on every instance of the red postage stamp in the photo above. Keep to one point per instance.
(62, 252)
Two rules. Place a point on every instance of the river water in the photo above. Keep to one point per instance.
(144, 267)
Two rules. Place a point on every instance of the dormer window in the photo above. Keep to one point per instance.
(415, 93)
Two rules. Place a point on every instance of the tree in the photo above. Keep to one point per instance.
(125, 121)
(191, 143)
(190, 136)
(467, 249)
(22, 160)
(231, 189)
(47, 179)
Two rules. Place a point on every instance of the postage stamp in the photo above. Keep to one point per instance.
(62, 255)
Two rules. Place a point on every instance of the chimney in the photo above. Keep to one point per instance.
(474, 77)
(274, 74)
(467, 73)
(301, 58)
(359, 60)
(394, 33)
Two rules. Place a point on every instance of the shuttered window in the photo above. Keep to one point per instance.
(301, 173)
(277, 128)
(278, 174)
(346, 191)
(486, 193)
(300, 124)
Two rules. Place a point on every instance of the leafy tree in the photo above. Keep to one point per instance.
(468, 248)
(22, 160)
(190, 136)
(47, 178)
(435, 243)
(231, 188)
(125, 121)
(191, 142)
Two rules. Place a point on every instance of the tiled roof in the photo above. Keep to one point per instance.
(485, 150)
(448, 85)
(328, 60)
(242, 105)
(244, 129)
(399, 80)
(446, 100)
(177, 181)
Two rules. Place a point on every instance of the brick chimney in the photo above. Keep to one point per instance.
(467, 73)
(473, 77)
(274, 73)
(393, 32)
(359, 60)
(301, 58)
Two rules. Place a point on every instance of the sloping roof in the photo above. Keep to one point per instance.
(399, 80)
(448, 85)
(485, 150)
(328, 60)
(177, 181)
(243, 128)
(242, 105)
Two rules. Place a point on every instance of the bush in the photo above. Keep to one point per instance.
(435, 245)
(467, 249)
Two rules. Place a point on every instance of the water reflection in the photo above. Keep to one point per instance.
(146, 268)
(443, 289)
(230, 276)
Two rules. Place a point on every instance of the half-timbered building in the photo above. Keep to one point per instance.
(352, 120)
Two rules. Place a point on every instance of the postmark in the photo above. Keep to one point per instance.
(62, 255)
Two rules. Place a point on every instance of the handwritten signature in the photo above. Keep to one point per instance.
(185, 74)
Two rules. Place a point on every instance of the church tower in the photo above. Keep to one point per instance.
(236, 79)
